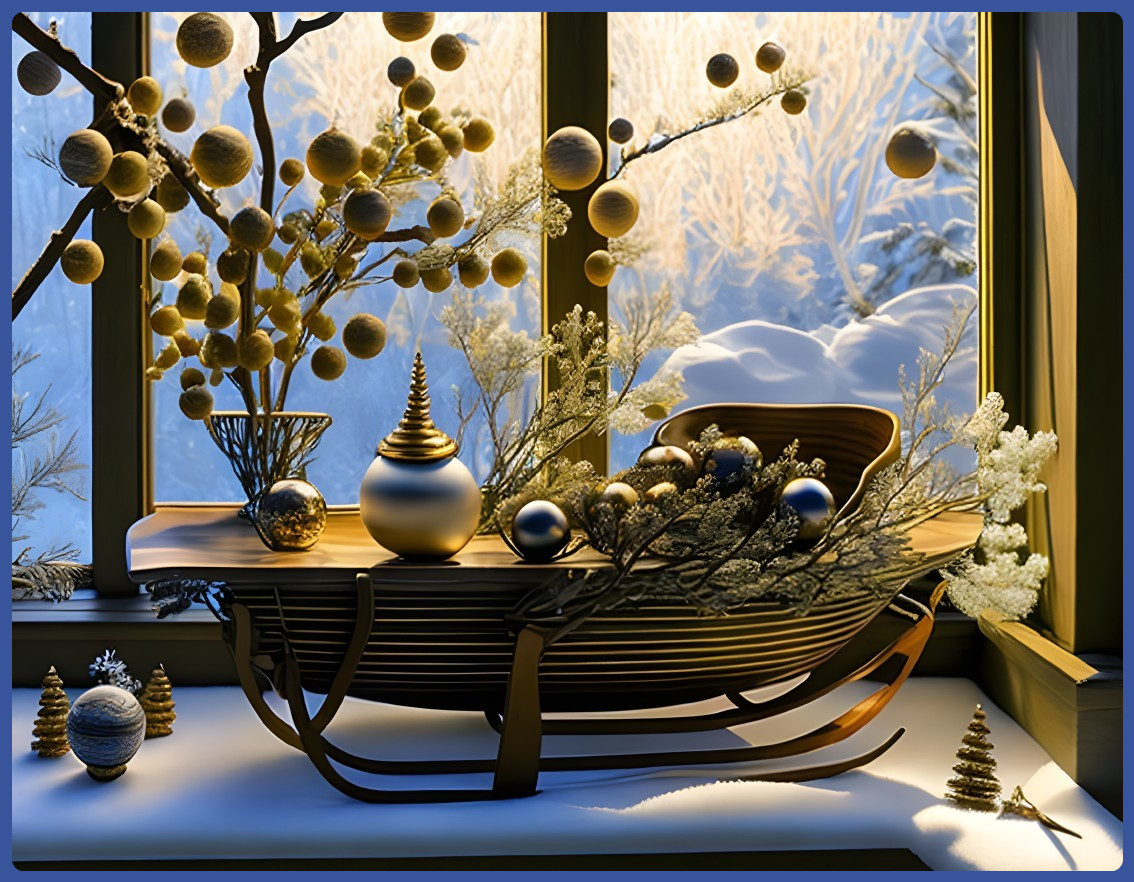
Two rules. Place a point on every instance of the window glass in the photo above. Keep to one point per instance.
(55, 324)
(813, 270)
(338, 75)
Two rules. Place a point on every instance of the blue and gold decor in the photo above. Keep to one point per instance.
(813, 502)
(540, 531)
(290, 516)
(417, 499)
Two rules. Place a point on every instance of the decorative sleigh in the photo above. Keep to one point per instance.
(347, 620)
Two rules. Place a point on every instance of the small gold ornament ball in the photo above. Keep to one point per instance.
(196, 402)
(204, 39)
(38, 74)
(479, 134)
(722, 70)
(255, 351)
(509, 267)
(328, 363)
(232, 265)
(540, 531)
(334, 157)
(770, 57)
(405, 273)
(445, 217)
(128, 175)
(195, 262)
(408, 26)
(165, 261)
(81, 261)
(401, 71)
(453, 139)
(373, 160)
(146, 219)
(619, 494)
(473, 270)
(910, 154)
(166, 321)
(662, 488)
(144, 96)
(418, 93)
(291, 172)
(85, 157)
(572, 158)
(191, 377)
(218, 350)
(437, 280)
(447, 52)
(367, 213)
(430, 153)
(221, 157)
(793, 102)
(599, 268)
(364, 335)
(193, 298)
(170, 195)
(613, 209)
(291, 515)
(813, 502)
(620, 130)
(430, 117)
(178, 115)
(669, 456)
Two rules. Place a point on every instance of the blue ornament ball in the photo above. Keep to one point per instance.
(727, 467)
(813, 502)
(540, 531)
(105, 727)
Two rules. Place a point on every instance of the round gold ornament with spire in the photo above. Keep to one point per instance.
(417, 499)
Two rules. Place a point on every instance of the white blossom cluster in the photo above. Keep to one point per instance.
(1005, 581)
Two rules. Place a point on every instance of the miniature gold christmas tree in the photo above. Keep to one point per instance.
(976, 785)
(51, 722)
(157, 702)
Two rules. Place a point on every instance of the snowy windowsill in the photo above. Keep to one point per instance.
(229, 790)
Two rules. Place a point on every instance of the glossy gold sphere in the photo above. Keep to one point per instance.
(291, 516)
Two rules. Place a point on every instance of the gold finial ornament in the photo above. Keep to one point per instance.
(417, 439)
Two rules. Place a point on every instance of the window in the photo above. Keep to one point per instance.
(55, 326)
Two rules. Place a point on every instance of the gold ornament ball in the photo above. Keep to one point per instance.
(613, 209)
(285, 348)
(291, 515)
(178, 115)
(146, 219)
(662, 488)
(322, 326)
(333, 157)
(910, 154)
(405, 273)
(509, 267)
(218, 350)
(430, 117)
(221, 156)
(722, 70)
(252, 228)
(437, 280)
(144, 96)
(255, 351)
(191, 377)
(540, 531)
(204, 39)
(328, 362)
(166, 321)
(285, 314)
(128, 175)
(430, 153)
(619, 494)
(793, 102)
(196, 402)
(373, 160)
(401, 71)
(38, 74)
(170, 195)
(599, 268)
(479, 134)
(187, 344)
(165, 261)
(232, 266)
(85, 157)
(620, 130)
(81, 261)
(345, 266)
(453, 139)
(473, 270)
(770, 57)
(813, 502)
(408, 26)
(193, 298)
(445, 217)
(572, 158)
(195, 262)
(668, 456)
(291, 172)
(367, 213)
(448, 52)
(360, 181)
(364, 335)
(418, 94)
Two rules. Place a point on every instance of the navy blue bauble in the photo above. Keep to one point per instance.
(106, 726)
(540, 531)
(813, 502)
(727, 468)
